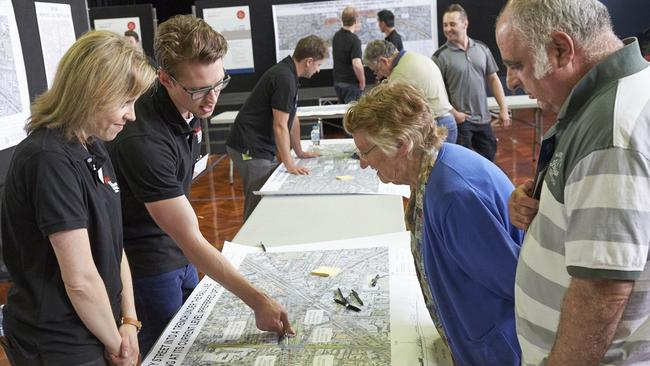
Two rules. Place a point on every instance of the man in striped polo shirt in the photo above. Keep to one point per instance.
(582, 292)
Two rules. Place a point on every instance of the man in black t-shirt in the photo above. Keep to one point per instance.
(348, 74)
(386, 23)
(267, 122)
(154, 160)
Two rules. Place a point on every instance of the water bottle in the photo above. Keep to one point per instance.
(315, 135)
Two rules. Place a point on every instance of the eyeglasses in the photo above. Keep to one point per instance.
(197, 94)
(364, 154)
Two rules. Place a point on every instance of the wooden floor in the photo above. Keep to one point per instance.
(219, 205)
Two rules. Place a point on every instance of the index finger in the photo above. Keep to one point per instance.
(284, 317)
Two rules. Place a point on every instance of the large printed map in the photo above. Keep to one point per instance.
(334, 172)
(415, 20)
(325, 329)
(392, 327)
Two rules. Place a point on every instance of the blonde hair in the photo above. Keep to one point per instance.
(394, 111)
(186, 38)
(349, 16)
(98, 73)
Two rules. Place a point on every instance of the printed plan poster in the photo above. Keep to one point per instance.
(57, 34)
(234, 23)
(415, 20)
(119, 25)
(14, 95)
(387, 324)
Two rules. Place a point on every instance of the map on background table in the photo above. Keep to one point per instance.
(392, 326)
(334, 172)
(415, 20)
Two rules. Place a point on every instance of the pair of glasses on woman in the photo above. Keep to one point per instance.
(364, 154)
(196, 94)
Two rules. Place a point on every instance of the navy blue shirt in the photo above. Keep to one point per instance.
(396, 39)
(55, 185)
(345, 47)
(252, 132)
(154, 160)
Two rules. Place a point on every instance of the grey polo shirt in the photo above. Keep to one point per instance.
(465, 73)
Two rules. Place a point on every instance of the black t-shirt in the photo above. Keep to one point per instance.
(154, 159)
(345, 47)
(55, 185)
(252, 132)
(396, 39)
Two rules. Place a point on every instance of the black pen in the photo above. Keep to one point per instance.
(263, 247)
(373, 282)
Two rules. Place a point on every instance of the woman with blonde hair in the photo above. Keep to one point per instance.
(465, 248)
(72, 300)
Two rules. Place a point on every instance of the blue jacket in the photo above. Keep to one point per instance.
(470, 253)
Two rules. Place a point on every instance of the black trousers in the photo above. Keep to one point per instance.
(479, 138)
(347, 92)
(18, 357)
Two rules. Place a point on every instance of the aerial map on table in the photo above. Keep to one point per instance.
(334, 172)
(384, 324)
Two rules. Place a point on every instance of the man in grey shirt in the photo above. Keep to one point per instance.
(466, 66)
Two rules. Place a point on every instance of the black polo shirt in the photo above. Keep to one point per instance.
(154, 158)
(252, 132)
(396, 39)
(345, 47)
(55, 185)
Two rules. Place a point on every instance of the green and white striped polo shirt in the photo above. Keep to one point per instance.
(594, 213)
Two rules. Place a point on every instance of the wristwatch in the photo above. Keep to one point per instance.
(135, 322)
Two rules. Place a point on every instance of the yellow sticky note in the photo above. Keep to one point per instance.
(324, 271)
(344, 177)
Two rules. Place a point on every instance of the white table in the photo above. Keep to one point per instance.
(524, 102)
(284, 220)
(224, 118)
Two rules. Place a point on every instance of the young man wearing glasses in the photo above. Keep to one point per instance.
(267, 123)
(154, 160)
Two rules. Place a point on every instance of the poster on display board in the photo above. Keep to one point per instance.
(56, 30)
(14, 93)
(415, 20)
(235, 25)
(119, 25)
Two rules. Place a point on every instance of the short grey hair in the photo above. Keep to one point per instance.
(376, 49)
(586, 21)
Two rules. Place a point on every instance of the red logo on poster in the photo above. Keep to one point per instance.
(130, 25)
(240, 14)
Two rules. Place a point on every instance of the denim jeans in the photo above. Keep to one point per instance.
(158, 298)
(449, 121)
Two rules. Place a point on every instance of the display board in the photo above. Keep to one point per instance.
(234, 23)
(415, 20)
(32, 58)
(138, 18)
(14, 95)
(56, 29)
(23, 14)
